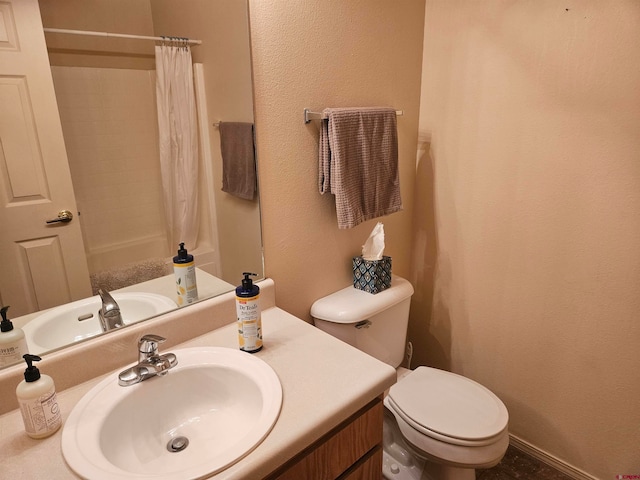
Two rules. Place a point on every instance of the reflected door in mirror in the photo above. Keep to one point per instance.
(47, 260)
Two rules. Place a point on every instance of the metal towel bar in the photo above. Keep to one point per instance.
(309, 115)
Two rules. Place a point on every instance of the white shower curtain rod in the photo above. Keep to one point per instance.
(118, 35)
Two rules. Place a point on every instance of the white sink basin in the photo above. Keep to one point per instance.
(222, 400)
(78, 320)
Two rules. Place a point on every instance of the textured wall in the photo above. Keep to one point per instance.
(528, 217)
(327, 54)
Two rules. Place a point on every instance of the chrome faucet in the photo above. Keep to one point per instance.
(150, 362)
(109, 314)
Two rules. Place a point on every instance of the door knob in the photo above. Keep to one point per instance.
(64, 216)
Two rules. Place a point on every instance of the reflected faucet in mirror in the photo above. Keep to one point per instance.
(109, 313)
(113, 193)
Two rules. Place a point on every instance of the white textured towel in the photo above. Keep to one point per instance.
(359, 163)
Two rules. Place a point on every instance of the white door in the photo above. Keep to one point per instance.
(42, 264)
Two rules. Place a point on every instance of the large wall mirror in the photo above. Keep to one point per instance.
(79, 133)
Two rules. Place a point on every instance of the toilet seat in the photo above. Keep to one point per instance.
(448, 407)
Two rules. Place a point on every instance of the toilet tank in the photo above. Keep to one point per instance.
(376, 324)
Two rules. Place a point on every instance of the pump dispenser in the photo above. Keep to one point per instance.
(13, 344)
(38, 404)
(184, 269)
(248, 315)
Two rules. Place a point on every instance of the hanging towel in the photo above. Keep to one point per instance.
(238, 159)
(359, 163)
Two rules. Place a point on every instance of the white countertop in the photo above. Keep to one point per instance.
(324, 381)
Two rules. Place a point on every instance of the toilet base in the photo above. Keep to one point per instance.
(422, 470)
(394, 470)
(400, 463)
(434, 471)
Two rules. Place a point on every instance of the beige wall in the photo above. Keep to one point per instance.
(101, 16)
(112, 149)
(528, 217)
(327, 54)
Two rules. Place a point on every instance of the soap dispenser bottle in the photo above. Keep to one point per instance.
(38, 404)
(184, 269)
(248, 315)
(13, 344)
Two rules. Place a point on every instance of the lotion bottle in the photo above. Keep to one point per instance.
(184, 269)
(248, 315)
(13, 344)
(38, 404)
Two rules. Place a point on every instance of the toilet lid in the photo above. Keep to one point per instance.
(450, 405)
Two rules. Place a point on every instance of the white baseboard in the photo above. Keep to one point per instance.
(547, 458)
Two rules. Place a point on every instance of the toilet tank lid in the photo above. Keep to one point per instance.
(351, 305)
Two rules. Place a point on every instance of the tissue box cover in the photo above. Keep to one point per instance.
(372, 276)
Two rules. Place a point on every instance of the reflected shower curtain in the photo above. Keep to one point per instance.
(178, 129)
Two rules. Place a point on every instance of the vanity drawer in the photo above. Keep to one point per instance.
(368, 467)
(353, 450)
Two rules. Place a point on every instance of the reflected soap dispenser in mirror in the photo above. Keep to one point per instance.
(13, 344)
(184, 269)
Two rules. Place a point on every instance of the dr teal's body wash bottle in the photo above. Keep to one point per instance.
(184, 269)
(248, 315)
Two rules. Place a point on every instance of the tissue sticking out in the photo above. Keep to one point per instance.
(372, 270)
(373, 248)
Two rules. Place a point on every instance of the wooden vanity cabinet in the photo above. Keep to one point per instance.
(352, 450)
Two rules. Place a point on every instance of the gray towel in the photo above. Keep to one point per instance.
(359, 163)
(238, 159)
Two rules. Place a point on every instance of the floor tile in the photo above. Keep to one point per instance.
(520, 466)
(493, 474)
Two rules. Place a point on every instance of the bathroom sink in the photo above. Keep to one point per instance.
(210, 410)
(78, 320)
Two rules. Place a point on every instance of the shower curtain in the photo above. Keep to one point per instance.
(178, 129)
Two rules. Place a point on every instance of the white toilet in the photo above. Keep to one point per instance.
(438, 425)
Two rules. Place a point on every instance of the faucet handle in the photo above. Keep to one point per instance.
(148, 345)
